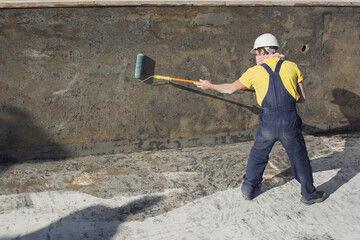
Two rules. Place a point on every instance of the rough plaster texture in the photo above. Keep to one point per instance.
(68, 88)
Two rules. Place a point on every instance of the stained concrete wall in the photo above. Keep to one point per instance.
(68, 88)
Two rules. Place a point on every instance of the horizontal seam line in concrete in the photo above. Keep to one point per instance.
(114, 3)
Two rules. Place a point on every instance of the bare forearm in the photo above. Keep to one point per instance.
(301, 91)
(227, 88)
(222, 88)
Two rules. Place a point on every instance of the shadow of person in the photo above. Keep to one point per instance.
(348, 103)
(343, 160)
(21, 139)
(95, 222)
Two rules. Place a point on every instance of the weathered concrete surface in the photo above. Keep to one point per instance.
(192, 193)
(87, 3)
(68, 88)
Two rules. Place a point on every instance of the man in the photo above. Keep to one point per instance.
(278, 86)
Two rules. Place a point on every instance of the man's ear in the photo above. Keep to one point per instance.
(262, 52)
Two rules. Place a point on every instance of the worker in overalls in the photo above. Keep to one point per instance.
(278, 86)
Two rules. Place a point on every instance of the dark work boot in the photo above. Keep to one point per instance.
(248, 192)
(320, 196)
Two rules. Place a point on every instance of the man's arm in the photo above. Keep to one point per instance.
(301, 91)
(227, 88)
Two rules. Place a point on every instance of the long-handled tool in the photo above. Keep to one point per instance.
(139, 70)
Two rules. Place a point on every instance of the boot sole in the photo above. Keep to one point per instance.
(315, 200)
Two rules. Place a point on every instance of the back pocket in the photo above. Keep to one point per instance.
(291, 124)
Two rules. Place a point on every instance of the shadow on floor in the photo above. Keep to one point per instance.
(95, 222)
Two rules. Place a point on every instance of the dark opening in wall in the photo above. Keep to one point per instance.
(305, 48)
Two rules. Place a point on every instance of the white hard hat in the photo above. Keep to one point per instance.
(265, 40)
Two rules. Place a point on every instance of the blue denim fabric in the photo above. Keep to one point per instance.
(279, 121)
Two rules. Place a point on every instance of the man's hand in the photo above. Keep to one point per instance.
(204, 84)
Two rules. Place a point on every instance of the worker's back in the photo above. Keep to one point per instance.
(258, 78)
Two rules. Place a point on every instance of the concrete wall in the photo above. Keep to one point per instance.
(67, 75)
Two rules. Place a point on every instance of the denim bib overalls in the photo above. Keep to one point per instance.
(279, 121)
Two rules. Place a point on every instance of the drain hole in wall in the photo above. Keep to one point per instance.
(305, 48)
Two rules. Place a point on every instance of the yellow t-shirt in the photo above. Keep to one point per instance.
(258, 78)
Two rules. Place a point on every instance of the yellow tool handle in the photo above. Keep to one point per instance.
(174, 79)
(189, 81)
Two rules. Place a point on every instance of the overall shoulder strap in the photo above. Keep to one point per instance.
(278, 66)
(268, 69)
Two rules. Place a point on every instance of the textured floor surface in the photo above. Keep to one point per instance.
(191, 193)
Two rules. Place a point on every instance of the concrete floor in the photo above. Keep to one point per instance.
(190, 193)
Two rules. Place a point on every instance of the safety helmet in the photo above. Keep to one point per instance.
(265, 40)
